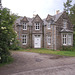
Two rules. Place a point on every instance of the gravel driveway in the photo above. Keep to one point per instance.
(26, 63)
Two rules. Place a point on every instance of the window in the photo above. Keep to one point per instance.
(37, 26)
(64, 39)
(24, 39)
(69, 39)
(64, 23)
(49, 25)
(49, 40)
(24, 26)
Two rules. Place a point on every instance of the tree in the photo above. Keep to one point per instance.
(70, 10)
(72, 17)
(72, 14)
(7, 34)
(67, 6)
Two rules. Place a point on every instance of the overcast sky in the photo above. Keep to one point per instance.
(30, 7)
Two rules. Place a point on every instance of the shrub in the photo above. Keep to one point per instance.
(15, 45)
(6, 33)
(67, 48)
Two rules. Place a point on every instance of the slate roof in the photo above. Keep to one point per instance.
(20, 18)
(54, 18)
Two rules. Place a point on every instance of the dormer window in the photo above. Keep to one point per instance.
(49, 26)
(64, 23)
(24, 26)
(37, 26)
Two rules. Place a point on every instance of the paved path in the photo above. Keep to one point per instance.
(60, 70)
(27, 63)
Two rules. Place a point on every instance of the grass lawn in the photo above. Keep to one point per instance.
(47, 51)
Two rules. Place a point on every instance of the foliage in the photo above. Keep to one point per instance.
(15, 46)
(67, 48)
(70, 10)
(7, 33)
(74, 39)
(72, 15)
(10, 59)
(67, 6)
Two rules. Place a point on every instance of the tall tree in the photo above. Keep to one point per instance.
(67, 6)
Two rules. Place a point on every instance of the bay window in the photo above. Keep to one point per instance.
(67, 39)
(64, 39)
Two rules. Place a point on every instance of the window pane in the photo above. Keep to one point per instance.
(64, 39)
(69, 39)
(49, 40)
(49, 25)
(24, 26)
(37, 27)
(24, 40)
(64, 23)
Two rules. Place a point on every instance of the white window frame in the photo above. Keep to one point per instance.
(49, 26)
(49, 40)
(37, 26)
(64, 23)
(69, 39)
(64, 39)
(24, 39)
(24, 26)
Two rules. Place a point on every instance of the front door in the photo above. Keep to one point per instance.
(37, 41)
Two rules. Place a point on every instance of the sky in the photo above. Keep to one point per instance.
(30, 7)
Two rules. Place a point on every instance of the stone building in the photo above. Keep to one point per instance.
(52, 32)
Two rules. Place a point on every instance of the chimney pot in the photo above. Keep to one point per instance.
(57, 12)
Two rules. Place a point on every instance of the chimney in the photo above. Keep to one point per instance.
(34, 15)
(57, 12)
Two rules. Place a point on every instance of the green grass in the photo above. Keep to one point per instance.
(10, 61)
(48, 51)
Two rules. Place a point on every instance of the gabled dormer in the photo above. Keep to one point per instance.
(24, 22)
(49, 21)
(64, 23)
(49, 17)
(37, 19)
(37, 22)
(24, 19)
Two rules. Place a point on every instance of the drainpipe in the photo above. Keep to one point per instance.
(53, 37)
